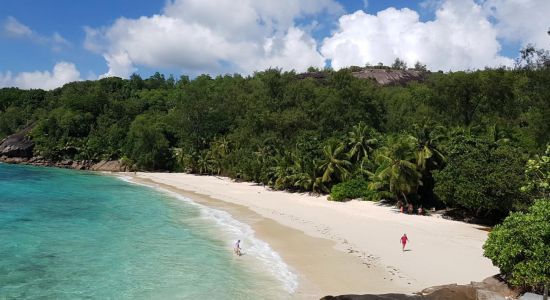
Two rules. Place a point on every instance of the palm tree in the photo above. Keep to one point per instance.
(219, 151)
(280, 175)
(335, 165)
(220, 147)
(427, 135)
(361, 142)
(205, 163)
(307, 177)
(183, 160)
(397, 172)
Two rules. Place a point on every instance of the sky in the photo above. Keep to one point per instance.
(45, 44)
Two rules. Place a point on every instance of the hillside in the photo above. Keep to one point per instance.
(341, 134)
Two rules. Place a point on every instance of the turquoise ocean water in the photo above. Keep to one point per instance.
(77, 235)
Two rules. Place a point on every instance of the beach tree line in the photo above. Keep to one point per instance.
(458, 139)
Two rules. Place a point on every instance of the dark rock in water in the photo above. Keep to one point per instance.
(17, 145)
(23, 220)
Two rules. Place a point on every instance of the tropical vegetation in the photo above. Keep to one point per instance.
(457, 139)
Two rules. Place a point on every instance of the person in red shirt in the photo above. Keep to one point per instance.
(404, 240)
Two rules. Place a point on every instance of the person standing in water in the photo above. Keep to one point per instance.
(404, 239)
(238, 248)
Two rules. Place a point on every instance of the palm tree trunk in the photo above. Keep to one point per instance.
(406, 201)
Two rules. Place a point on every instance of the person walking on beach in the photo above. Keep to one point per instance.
(238, 248)
(404, 239)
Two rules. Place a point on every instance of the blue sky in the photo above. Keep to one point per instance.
(117, 37)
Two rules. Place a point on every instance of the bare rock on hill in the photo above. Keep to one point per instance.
(381, 76)
(17, 145)
(109, 166)
(389, 76)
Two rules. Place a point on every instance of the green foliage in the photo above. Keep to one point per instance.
(146, 143)
(418, 66)
(335, 164)
(308, 134)
(482, 177)
(397, 172)
(537, 172)
(399, 64)
(351, 189)
(520, 246)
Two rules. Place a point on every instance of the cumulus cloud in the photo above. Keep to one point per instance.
(119, 65)
(63, 72)
(522, 21)
(201, 36)
(12, 28)
(460, 37)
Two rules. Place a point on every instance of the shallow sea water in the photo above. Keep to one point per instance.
(68, 234)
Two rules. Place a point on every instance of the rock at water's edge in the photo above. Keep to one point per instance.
(109, 166)
(17, 145)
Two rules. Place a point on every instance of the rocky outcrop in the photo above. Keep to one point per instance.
(381, 76)
(17, 145)
(40, 161)
(110, 166)
(389, 76)
(18, 149)
(491, 288)
(107, 166)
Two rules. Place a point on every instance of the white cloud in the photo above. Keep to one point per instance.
(460, 37)
(289, 55)
(119, 65)
(218, 36)
(12, 28)
(523, 21)
(63, 72)
(213, 36)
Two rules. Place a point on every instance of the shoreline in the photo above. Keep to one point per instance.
(342, 248)
(315, 269)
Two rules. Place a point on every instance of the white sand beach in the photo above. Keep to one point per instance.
(344, 248)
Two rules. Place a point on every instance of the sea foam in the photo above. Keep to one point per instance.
(234, 230)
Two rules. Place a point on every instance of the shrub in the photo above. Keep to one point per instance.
(520, 246)
(352, 189)
(482, 178)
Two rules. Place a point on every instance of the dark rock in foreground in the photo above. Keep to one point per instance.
(491, 288)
